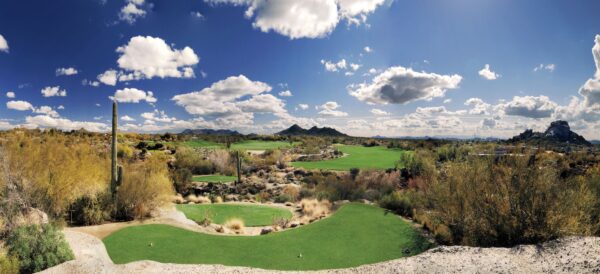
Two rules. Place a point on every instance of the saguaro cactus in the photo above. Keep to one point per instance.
(238, 165)
(115, 170)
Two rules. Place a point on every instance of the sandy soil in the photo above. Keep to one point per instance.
(569, 255)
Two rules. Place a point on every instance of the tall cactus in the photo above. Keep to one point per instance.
(114, 169)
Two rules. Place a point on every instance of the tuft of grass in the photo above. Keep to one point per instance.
(236, 225)
(358, 157)
(356, 234)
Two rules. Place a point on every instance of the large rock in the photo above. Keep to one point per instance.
(32, 216)
(558, 133)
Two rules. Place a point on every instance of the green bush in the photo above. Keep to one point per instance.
(38, 247)
(282, 198)
(8, 264)
(398, 202)
(88, 210)
(182, 179)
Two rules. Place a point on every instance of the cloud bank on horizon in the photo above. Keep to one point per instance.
(276, 63)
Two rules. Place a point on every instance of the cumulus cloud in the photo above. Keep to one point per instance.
(126, 118)
(285, 93)
(379, 112)
(330, 109)
(148, 57)
(3, 44)
(399, 85)
(303, 19)
(302, 106)
(10, 94)
(133, 10)
(19, 105)
(479, 107)
(47, 121)
(529, 106)
(548, 67)
(133, 95)
(488, 123)
(47, 110)
(156, 116)
(488, 74)
(332, 66)
(109, 77)
(368, 49)
(66, 71)
(53, 91)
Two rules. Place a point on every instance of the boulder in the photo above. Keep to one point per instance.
(32, 216)
(266, 230)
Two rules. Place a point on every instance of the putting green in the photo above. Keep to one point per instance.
(214, 178)
(356, 234)
(358, 157)
(252, 215)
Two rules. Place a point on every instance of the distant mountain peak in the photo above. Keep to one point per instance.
(295, 130)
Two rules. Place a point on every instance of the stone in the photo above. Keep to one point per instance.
(266, 230)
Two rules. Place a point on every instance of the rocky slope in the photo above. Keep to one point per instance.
(558, 133)
(295, 130)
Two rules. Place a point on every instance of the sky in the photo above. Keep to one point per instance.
(464, 68)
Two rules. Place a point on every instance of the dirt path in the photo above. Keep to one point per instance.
(569, 255)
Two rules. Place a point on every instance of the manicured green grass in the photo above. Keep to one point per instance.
(357, 234)
(214, 178)
(252, 215)
(261, 145)
(200, 144)
(358, 157)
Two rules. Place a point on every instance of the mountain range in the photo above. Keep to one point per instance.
(296, 130)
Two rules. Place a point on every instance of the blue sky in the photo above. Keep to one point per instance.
(366, 67)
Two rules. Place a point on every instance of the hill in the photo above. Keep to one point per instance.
(296, 130)
(558, 133)
(207, 131)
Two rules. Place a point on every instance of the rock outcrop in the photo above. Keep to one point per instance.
(558, 133)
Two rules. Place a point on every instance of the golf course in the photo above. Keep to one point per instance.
(243, 145)
(356, 234)
(252, 215)
(377, 157)
(213, 178)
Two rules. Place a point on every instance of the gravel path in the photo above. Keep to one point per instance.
(569, 255)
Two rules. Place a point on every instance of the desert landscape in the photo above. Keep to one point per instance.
(299, 136)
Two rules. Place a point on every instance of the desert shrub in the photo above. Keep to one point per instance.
(88, 210)
(262, 196)
(38, 247)
(420, 163)
(291, 191)
(282, 198)
(125, 152)
(222, 161)
(235, 224)
(313, 208)
(198, 199)
(343, 188)
(398, 202)
(182, 179)
(146, 186)
(8, 264)
(51, 170)
(193, 161)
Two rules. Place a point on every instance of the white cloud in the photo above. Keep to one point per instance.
(399, 85)
(479, 106)
(61, 107)
(263, 103)
(109, 77)
(447, 101)
(127, 118)
(197, 14)
(548, 67)
(3, 44)
(149, 57)
(133, 95)
(333, 67)
(368, 49)
(19, 105)
(220, 98)
(330, 109)
(47, 121)
(379, 112)
(355, 67)
(157, 116)
(302, 106)
(132, 11)
(10, 94)
(488, 123)
(304, 19)
(47, 110)
(529, 106)
(285, 93)
(53, 91)
(488, 74)
(66, 71)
